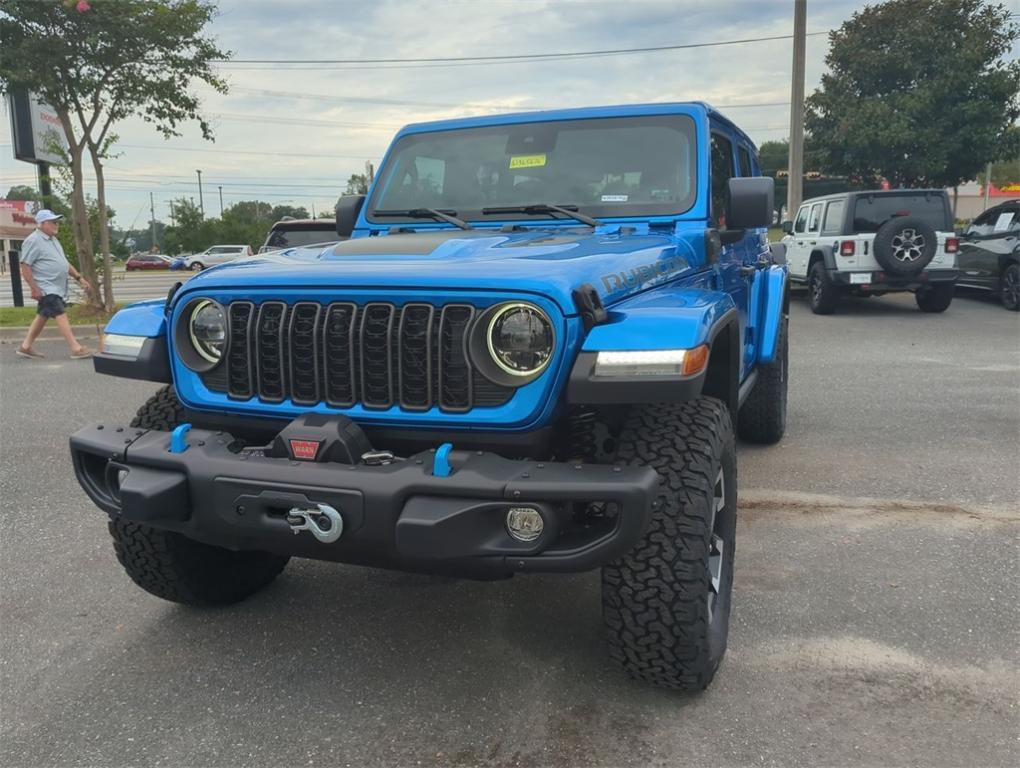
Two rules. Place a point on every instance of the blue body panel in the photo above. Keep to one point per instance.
(142, 319)
(651, 273)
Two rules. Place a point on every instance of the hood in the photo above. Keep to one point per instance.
(550, 262)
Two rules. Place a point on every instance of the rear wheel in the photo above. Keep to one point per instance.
(934, 298)
(197, 266)
(762, 417)
(666, 603)
(174, 567)
(1010, 291)
(822, 294)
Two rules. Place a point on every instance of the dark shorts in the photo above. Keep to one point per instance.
(51, 305)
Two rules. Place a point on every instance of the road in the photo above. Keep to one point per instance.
(127, 286)
(875, 621)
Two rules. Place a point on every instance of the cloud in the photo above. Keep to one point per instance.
(297, 132)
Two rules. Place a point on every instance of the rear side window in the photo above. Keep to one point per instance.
(293, 238)
(722, 172)
(833, 222)
(745, 161)
(815, 220)
(872, 211)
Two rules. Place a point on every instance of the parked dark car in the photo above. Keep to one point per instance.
(298, 233)
(147, 261)
(990, 253)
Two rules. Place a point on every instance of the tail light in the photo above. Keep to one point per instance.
(952, 245)
(847, 248)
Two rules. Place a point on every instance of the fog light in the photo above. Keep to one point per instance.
(524, 523)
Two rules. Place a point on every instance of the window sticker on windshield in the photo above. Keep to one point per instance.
(615, 198)
(527, 161)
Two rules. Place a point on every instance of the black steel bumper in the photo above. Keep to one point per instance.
(888, 282)
(398, 515)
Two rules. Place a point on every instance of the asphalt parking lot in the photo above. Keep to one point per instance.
(876, 614)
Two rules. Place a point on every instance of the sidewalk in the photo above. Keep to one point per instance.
(16, 334)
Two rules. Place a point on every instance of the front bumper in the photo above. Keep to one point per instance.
(888, 282)
(398, 515)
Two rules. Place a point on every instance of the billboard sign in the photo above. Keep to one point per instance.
(17, 218)
(36, 129)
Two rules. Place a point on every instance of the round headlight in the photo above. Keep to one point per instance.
(208, 330)
(520, 339)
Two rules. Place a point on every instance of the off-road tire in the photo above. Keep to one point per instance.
(174, 567)
(762, 417)
(934, 298)
(1009, 291)
(823, 296)
(655, 598)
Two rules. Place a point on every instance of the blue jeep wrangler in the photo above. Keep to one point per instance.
(531, 356)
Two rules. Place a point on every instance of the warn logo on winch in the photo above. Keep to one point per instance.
(304, 449)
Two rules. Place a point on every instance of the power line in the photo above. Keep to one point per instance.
(517, 58)
(242, 152)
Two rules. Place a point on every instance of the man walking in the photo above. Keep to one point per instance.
(45, 268)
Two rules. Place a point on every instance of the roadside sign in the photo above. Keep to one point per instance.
(36, 129)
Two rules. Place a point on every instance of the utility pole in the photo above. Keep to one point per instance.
(795, 185)
(221, 201)
(152, 220)
(313, 210)
(173, 218)
(369, 171)
(988, 185)
(201, 205)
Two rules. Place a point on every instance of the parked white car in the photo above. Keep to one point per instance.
(217, 254)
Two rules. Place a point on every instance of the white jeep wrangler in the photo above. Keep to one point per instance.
(874, 242)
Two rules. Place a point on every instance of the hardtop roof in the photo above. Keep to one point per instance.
(580, 113)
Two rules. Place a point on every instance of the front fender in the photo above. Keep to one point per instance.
(146, 319)
(674, 317)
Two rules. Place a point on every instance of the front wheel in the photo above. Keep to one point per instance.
(197, 267)
(934, 298)
(172, 566)
(1011, 287)
(666, 603)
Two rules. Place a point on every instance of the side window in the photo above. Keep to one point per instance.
(745, 161)
(722, 172)
(984, 224)
(801, 224)
(833, 222)
(815, 219)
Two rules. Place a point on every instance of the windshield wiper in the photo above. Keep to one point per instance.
(450, 217)
(539, 208)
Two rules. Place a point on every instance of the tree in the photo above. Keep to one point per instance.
(295, 212)
(918, 92)
(99, 65)
(357, 184)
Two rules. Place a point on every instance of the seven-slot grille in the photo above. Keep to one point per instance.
(376, 354)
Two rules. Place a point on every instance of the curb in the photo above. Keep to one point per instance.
(17, 333)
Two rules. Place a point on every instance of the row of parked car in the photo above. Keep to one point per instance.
(288, 233)
(876, 242)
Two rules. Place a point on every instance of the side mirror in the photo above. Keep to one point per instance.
(788, 227)
(751, 202)
(348, 208)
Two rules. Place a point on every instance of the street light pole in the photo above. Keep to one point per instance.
(795, 189)
(152, 214)
(221, 201)
(201, 205)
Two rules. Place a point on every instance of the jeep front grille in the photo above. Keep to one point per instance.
(342, 354)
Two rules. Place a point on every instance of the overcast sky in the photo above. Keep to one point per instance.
(294, 133)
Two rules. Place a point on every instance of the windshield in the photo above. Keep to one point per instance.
(293, 237)
(621, 166)
(872, 211)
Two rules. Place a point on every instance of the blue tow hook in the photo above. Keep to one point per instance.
(178, 441)
(441, 466)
